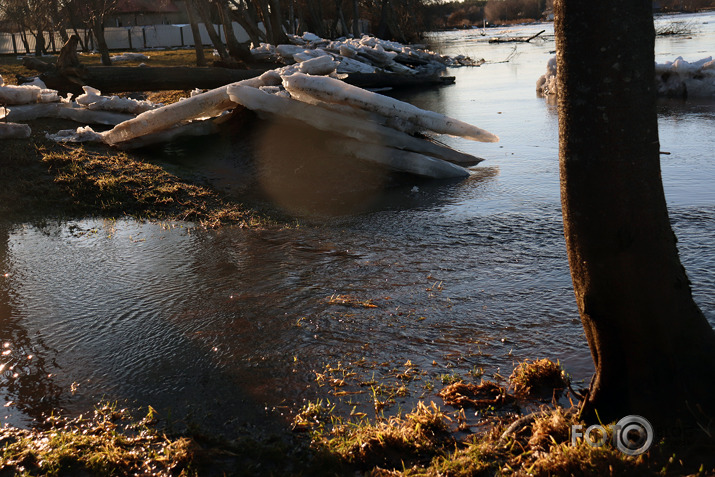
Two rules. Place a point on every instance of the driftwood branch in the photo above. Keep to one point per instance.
(515, 39)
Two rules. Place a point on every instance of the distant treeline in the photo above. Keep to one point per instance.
(683, 5)
(461, 14)
(475, 12)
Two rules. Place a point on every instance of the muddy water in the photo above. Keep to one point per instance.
(228, 327)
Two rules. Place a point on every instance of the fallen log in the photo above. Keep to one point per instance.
(515, 39)
(118, 79)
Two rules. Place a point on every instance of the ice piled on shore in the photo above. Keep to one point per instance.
(681, 79)
(93, 99)
(546, 84)
(14, 131)
(367, 54)
(673, 79)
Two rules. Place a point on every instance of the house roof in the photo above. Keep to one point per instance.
(146, 6)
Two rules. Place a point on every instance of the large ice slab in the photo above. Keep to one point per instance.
(335, 91)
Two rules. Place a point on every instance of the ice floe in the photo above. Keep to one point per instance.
(673, 79)
(681, 79)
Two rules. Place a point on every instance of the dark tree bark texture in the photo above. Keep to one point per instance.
(653, 349)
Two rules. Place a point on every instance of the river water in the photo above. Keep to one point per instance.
(228, 327)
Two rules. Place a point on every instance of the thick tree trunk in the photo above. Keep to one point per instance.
(316, 17)
(653, 349)
(39, 43)
(262, 7)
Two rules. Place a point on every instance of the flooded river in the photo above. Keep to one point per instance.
(226, 327)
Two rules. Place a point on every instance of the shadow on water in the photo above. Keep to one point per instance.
(285, 165)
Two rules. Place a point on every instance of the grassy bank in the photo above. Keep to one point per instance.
(39, 179)
(429, 440)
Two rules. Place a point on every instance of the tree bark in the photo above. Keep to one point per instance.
(653, 349)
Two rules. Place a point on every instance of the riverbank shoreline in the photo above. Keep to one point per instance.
(426, 440)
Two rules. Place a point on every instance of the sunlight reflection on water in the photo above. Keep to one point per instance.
(215, 327)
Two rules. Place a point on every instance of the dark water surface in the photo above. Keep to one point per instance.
(226, 327)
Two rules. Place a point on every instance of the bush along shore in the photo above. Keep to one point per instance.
(428, 440)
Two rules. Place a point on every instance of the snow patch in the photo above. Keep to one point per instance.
(81, 134)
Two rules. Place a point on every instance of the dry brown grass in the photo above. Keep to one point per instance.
(538, 378)
(484, 394)
(415, 437)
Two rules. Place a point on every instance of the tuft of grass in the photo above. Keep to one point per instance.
(393, 443)
(349, 300)
(484, 394)
(538, 378)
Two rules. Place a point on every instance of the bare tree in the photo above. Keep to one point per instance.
(196, 33)
(203, 7)
(356, 18)
(92, 15)
(30, 16)
(653, 349)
